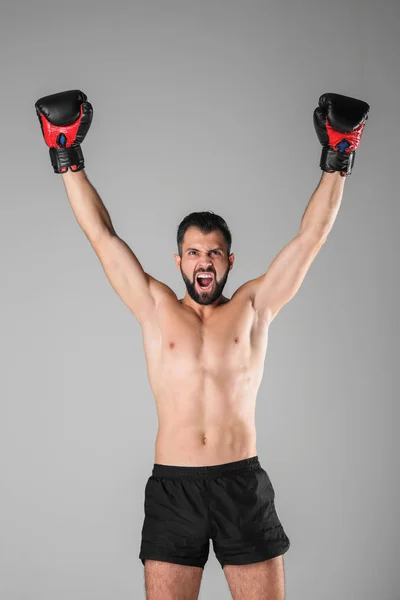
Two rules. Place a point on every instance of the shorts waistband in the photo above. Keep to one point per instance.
(177, 472)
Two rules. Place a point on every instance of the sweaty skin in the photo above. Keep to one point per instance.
(205, 364)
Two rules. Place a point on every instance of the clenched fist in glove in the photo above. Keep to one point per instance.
(339, 122)
(65, 119)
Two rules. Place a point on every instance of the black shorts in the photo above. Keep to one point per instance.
(231, 504)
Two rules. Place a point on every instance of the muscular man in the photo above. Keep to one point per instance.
(205, 355)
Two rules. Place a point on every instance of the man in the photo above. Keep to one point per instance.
(205, 355)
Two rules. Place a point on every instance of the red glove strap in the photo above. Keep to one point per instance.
(52, 132)
(353, 137)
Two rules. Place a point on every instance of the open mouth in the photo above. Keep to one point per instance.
(205, 281)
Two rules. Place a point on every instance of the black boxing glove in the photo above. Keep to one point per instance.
(339, 122)
(65, 119)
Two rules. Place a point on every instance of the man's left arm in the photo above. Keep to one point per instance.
(339, 122)
(287, 271)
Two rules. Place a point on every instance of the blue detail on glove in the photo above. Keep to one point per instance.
(62, 140)
(343, 145)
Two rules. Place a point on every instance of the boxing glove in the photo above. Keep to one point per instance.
(65, 119)
(339, 122)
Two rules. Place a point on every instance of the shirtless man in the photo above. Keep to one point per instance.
(205, 355)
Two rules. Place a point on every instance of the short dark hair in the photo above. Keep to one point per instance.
(205, 221)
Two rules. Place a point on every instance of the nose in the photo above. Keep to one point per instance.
(205, 265)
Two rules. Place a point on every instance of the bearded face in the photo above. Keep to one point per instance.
(204, 287)
(204, 265)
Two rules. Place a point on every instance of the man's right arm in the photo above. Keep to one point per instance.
(139, 291)
(65, 119)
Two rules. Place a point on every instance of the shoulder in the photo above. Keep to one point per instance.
(160, 291)
(247, 291)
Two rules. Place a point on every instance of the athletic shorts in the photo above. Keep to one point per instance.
(231, 504)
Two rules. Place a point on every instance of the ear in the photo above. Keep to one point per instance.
(177, 261)
(231, 259)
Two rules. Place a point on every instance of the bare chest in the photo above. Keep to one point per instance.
(233, 338)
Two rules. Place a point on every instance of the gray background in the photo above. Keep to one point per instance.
(197, 106)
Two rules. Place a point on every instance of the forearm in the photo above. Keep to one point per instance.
(86, 204)
(324, 204)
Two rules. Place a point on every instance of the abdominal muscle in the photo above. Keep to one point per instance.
(212, 444)
(207, 428)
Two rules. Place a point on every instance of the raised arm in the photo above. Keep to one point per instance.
(339, 122)
(136, 288)
(287, 271)
(65, 119)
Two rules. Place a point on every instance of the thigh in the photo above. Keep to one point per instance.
(258, 581)
(167, 581)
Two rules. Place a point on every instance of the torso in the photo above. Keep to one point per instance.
(205, 376)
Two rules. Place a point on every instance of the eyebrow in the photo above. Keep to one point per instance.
(188, 249)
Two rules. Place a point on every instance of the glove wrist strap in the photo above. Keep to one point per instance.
(332, 160)
(63, 159)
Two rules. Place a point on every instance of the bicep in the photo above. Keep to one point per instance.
(285, 274)
(126, 275)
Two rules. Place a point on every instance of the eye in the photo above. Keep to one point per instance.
(191, 251)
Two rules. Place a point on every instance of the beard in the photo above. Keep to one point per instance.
(209, 297)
